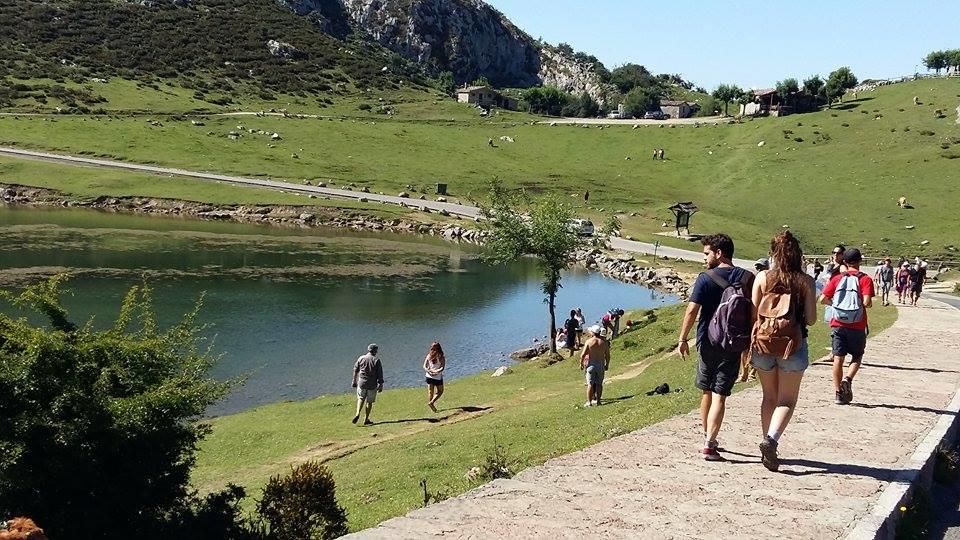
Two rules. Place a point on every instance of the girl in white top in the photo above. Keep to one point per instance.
(433, 366)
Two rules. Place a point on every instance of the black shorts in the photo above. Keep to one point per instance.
(434, 382)
(846, 341)
(717, 369)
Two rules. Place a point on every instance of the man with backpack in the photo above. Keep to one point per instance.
(848, 294)
(721, 299)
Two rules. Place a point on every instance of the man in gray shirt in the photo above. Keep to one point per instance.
(368, 380)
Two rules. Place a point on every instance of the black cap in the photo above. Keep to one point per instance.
(852, 255)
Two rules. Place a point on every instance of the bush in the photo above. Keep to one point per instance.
(496, 464)
(97, 429)
(302, 505)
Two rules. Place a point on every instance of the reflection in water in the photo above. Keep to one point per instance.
(291, 310)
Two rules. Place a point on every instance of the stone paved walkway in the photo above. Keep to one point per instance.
(652, 484)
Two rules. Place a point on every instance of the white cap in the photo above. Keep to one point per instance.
(596, 330)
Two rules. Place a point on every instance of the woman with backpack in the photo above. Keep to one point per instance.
(785, 303)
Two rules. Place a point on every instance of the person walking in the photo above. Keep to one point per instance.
(595, 361)
(571, 327)
(884, 276)
(719, 363)
(433, 365)
(903, 282)
(368, 380)
(581, 323)
(918, 277)
(848, 294)
(785, 301)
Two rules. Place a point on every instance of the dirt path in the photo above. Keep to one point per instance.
(652, 483)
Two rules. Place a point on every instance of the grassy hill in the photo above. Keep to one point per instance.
(204, 54)
(832, 176)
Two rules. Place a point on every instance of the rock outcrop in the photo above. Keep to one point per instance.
(469, 38)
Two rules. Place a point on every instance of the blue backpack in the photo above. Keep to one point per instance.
(847, 305)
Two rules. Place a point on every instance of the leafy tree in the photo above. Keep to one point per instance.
(727, 93)
(745, 97)
(839, 81)
(588, 106)
(547, 236)
(446, 83)
(952, 58)
(566, 49)
(630, 76)
(787, 88)
(640, 100)
(97, 429)
(548, 100)
(813, 86)
(481, 81)
(936, 60)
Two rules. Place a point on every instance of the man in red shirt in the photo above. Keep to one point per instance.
(848, 327)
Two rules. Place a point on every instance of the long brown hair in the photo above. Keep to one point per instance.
(787, 272)
(436, 353)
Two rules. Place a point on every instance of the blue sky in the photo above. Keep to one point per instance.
(751, 43)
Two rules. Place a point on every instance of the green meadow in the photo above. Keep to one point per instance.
(831, 176)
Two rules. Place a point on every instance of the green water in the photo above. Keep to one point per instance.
(292, 309)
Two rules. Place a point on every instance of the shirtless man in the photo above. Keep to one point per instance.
(595, 360)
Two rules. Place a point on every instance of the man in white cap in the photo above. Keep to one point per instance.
(595, 360)
(368, 380)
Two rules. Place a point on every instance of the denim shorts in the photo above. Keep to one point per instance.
(796, 362)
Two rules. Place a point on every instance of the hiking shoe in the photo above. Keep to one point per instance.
(846, 389)
(711, 454)
(768, 454)
(355, 418)
(838, 400)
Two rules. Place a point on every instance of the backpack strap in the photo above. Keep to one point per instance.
(717, 279)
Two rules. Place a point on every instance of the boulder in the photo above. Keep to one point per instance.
(530, 352)
(501, 371)
(403, 195)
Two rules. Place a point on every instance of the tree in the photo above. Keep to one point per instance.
(727, 93)
(952, 58)
(630, 76)
(936, 60)
(640, 100)
(786, 88)
(97, 428)
(446, 83)
(481, 81)
(813, 86)
(588, 106)
(546, 236)
(548, 100)
(839, 81)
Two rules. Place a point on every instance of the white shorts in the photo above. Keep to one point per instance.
(369, 396)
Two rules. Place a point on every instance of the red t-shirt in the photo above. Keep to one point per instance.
(866, 289)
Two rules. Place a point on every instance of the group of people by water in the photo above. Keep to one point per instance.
(747, 323)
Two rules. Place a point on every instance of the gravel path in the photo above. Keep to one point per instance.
(652, 483)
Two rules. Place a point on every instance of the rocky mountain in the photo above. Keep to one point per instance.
(469, 38)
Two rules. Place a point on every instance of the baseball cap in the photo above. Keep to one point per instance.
(852, 255)
(596, 330)
(372, 347)
(763, 263)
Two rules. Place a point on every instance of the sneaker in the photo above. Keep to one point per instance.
(846, 388)
(368, 422)
(768, 454)
(838, 400)
(711, 454)
(588, 404)
(355, 418)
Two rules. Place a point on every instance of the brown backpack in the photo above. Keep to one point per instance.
(778, 331)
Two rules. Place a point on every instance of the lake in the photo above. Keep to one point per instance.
(291, 309)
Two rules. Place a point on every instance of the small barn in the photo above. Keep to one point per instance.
(678, 109)
(486, 97)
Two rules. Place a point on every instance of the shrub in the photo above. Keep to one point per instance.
(496, 464)
(302, 505)
(96, 427)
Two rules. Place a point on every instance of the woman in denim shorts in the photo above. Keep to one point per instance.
(780, 378)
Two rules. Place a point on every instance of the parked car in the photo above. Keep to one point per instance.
(583, 227)
(655, 115)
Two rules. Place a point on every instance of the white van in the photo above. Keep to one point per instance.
(583, 227)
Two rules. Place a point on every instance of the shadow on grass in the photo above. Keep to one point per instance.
(437, 419)
(822, 467)
(904, 407)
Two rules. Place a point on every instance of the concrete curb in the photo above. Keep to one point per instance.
(881, 523)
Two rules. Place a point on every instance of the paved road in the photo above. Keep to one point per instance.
(456, 209)
(652, 483)
(635, 121)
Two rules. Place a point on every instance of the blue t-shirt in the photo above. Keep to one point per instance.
(707, 293)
